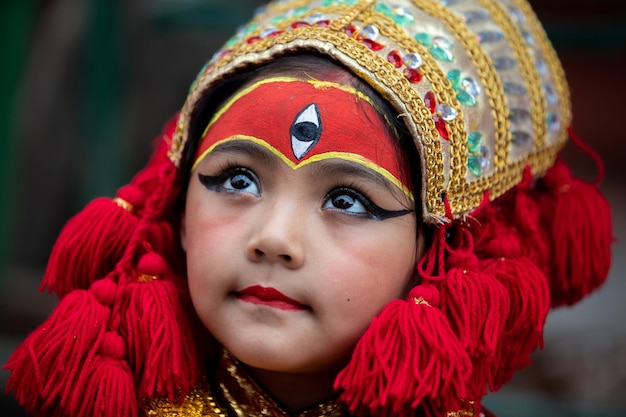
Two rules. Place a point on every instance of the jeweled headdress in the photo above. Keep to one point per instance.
(476, 81)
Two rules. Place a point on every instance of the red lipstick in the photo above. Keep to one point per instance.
(269, 297)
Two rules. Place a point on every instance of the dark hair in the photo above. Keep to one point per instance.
(308, 65)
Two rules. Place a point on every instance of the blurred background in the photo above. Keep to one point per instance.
(86, 84)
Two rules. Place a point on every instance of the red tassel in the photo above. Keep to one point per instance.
(476, 305)
(523, 330)
(408, 355)
(109, 391)
(159, 330)
(55, 359)
(577, 223)
(92, 242)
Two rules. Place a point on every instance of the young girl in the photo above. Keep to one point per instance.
(358, 211)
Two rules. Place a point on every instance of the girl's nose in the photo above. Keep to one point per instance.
(278, 238)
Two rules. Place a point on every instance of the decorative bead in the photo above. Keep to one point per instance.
(267, 32)
(370, 32)
(553, 121)
(323, 23)
(455, 78)
(551, 96)
(300, 24)
(475, 16)
(489, 36)
(542, 67)
(442, 42)
(446, 112)
(395, 58)
(448, 3)
(276, 20)
(519, 115)
(316, 17)
(520, 138)
(430, 101)
(528, 38)
(441, 54)
(473, 141)
(516, 15)
(504, 63)
(403, 16)
(424, 39)
(384, 9)
(413, 60)
(466, 98)
(253, 39)
(474, 165)
(442, 127)
(350, 30)
(470, 86)
(412, 75)
(373, 45)
(515, 89)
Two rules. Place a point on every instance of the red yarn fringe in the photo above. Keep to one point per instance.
(408, 355)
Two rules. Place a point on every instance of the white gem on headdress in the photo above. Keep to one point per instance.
(515, 89)
(503, 63)
(316, 17)
(442, 42)
(475, 16)
(551, 96)
(413, 60)
(528, 38)
(370, 32)
(446, 112)
(267, 32)
(403, 16)
(553, 121)
(519, 115)
(484, 157)
(470, 86)
(517, 16)
(448, 3)
(542, 66)
(488, 36)
(520, 138)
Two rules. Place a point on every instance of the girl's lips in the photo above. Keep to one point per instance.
(270, 297)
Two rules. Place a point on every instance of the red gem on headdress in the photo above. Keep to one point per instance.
(323, 23)
(442, 127)
(430, 101)
(373, 45)
(413, 75)
(278, 32)
(395, 58)
(300, 24)
(225, 53)
(350, 30)
(253, 39)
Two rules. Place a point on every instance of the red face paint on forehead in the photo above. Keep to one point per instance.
(307, 121)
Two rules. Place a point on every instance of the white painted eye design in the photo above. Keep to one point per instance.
(305, 130)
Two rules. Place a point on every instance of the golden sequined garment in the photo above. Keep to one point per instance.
(233, 393)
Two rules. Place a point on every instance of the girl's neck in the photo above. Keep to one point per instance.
(296, 392)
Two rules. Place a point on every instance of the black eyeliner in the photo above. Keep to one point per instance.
(375, 212)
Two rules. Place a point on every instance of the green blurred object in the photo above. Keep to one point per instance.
(16, 22)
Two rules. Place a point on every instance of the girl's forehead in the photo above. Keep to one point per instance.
(304, 122)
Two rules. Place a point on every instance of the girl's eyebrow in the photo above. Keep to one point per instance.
(320, 169)
(247, 148)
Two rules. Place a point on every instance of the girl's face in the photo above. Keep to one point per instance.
(291, 249)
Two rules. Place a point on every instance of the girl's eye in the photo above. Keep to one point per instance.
(233, 180)
(349, 201)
